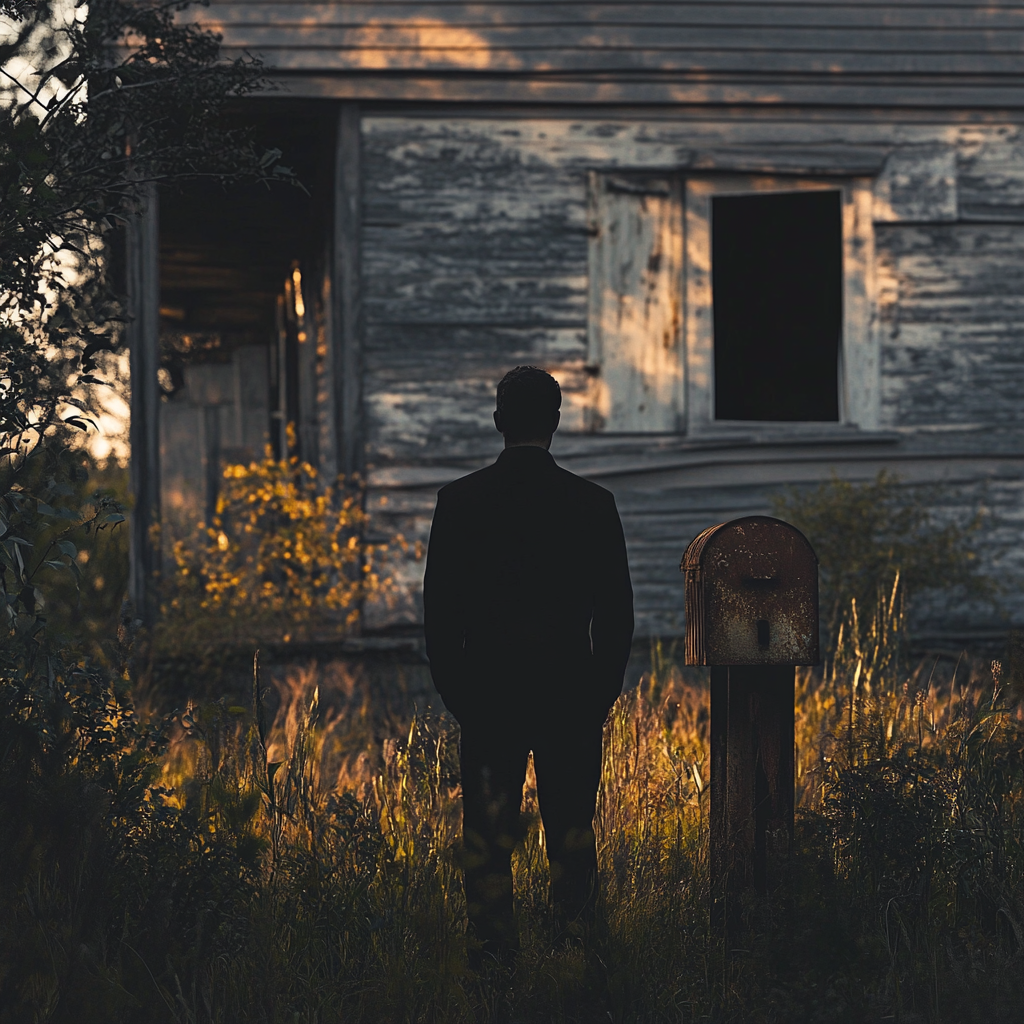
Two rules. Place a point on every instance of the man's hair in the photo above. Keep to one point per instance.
(528, 401)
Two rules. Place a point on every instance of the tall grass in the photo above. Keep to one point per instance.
(303, 869)
(905, 899)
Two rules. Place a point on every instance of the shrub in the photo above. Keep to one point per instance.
(284, 560)
(864, 533)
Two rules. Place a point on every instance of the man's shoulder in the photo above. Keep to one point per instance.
(466, 486)
(486, 482)
(583, 488)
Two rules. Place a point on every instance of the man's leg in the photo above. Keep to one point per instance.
(493, 772)
(568, 767)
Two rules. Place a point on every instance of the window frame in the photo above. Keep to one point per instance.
(859, 375)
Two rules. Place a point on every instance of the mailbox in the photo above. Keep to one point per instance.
(751, 595)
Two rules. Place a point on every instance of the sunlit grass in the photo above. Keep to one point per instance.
(296, 858)
(905, 896)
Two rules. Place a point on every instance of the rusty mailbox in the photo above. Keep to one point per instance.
(752, 615)
(751, 595)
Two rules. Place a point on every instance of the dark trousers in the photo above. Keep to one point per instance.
(567, 762)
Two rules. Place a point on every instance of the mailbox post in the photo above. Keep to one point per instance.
(752, 615)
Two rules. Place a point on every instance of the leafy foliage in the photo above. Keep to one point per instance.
(52, 521)
(118, 96)
(124, 95)
(284, 560)
(864, 533)
(84, 605)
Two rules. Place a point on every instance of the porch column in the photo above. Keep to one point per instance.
(347, 321)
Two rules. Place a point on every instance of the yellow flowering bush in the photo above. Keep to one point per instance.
(284, 559)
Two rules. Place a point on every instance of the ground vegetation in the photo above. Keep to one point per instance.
(864, 533)
(238, 866)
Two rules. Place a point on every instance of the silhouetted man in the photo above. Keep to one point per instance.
(528, 611)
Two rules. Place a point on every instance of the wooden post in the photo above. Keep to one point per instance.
(212, 448)
(143, 334)
(309, 420)
(279, 382)
(752, 782)
(347, 321)
(327, 449)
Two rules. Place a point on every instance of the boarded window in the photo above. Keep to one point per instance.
(777, 287)
(635, 320)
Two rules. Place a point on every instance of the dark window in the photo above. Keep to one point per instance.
(777, 283)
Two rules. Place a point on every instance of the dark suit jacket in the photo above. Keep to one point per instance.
(528, 606)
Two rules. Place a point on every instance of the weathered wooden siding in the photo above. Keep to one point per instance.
(817, 51)
(222, 415)
(475, 258)
(472, 256)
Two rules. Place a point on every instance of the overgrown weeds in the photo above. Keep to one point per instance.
(299, 869)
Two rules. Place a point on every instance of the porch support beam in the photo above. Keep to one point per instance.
(348, 319)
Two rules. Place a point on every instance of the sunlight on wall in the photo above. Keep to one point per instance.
(377, 44)
(431, 41)
(46, 46)
(110, 411)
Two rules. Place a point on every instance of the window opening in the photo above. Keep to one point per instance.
(777, 294)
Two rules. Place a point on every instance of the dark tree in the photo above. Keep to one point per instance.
(124, 95)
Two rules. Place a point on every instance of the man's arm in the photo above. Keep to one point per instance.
(612, 625)
(443, 614)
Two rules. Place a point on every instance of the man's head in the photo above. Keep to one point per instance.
(528, 401)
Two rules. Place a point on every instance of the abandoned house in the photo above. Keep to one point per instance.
(757, 242)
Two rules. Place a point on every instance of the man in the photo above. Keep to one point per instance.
(528, 612)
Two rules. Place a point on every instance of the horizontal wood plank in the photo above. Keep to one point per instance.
(404, 148)
(409, 345)
(915, 17)
(991, 175)
(942, 5)
(429, 39)
(287, 52)
(949, 95)
(952, 315)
